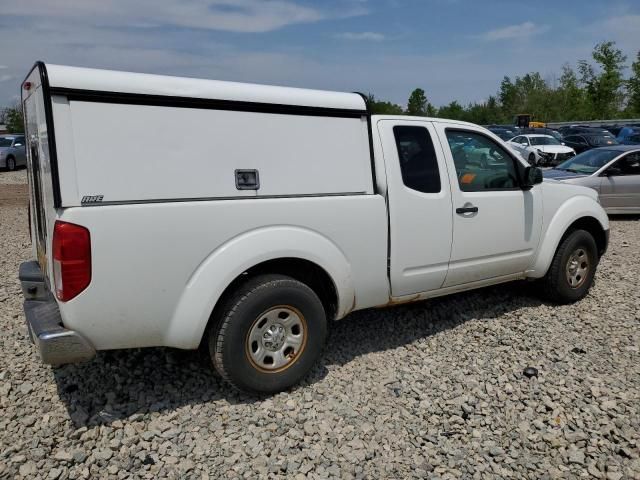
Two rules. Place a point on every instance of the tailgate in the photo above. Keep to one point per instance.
(44, 194)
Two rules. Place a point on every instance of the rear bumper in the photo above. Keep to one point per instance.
(56, 344)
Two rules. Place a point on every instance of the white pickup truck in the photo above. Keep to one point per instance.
(242, 218)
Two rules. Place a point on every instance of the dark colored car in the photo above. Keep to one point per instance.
(626, 132)
(579, 129)
(505, 126)
(586, 141)
(615, 129)
(632, 140)
(543, 131)
(504, 133)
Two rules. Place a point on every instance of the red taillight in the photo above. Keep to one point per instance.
(71, 259)
(26, 85)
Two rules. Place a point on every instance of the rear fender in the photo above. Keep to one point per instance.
(239, 254)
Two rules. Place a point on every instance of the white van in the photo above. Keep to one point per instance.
(242, 218)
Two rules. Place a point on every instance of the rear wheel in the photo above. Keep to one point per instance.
(269, 334)
(11, 163)
(573, 267)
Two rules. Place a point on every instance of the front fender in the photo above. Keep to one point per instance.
(574, 208)
(237, 255)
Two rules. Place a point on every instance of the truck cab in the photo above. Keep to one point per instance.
(279, 210)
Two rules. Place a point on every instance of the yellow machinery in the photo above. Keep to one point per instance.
(523, 120)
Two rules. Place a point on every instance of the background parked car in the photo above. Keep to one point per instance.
(541, 149)
(12, 152)
(542, 131)
(504, 133)
(626, 132)
(587, 141)
(582, 129)
(614, 172)
(632, 140)
(614, 129)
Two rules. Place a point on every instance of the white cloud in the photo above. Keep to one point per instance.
(625, 30)
(522, 30)
(4, 78)
(366, 36)
(227, 15)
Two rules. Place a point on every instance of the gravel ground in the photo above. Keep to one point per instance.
(432, 390)
(17, 176)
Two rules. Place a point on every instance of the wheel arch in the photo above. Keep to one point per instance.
(305, 271)
(578, 213)
(299, 253)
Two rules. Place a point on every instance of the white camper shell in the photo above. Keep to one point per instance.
(180, 212)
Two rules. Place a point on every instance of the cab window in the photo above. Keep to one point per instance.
(481, 164)
(418, 162)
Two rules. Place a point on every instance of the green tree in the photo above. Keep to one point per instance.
(418, 104)
(633, 88)
(604, 85)
(382, 107)
(453, 111)
(508, 96)
(569, 98)
(12, 117)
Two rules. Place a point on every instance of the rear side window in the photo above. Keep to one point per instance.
(418, 161)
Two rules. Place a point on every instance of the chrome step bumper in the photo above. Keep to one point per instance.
(56, 344)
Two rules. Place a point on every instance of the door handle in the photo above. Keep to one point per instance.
(463, 210)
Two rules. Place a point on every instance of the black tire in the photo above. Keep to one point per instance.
(556, 284)
(11, 164)
(230, 343)
(532, 159)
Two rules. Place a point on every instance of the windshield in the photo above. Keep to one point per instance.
(603, 140)
(5, 141)
(544, 141)
(589, 161)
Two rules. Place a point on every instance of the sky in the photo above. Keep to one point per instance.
(453, 49)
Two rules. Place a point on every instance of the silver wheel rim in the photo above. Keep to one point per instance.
(11, 164)
(577, 268)
(276, 339)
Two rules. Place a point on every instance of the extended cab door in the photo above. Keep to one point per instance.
(496, 224)
(420, 211)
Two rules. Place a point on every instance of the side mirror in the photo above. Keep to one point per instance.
(612, 172)
(532, 176)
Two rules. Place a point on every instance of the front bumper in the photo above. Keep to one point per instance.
(56, 344)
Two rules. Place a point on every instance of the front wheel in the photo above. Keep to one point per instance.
(269, 334)
(572, 270)
(532, 159)
(11, 164)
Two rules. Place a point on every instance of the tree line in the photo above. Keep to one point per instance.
(595, 90)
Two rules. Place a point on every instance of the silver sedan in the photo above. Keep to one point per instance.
(614, 172)
(12, 151)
